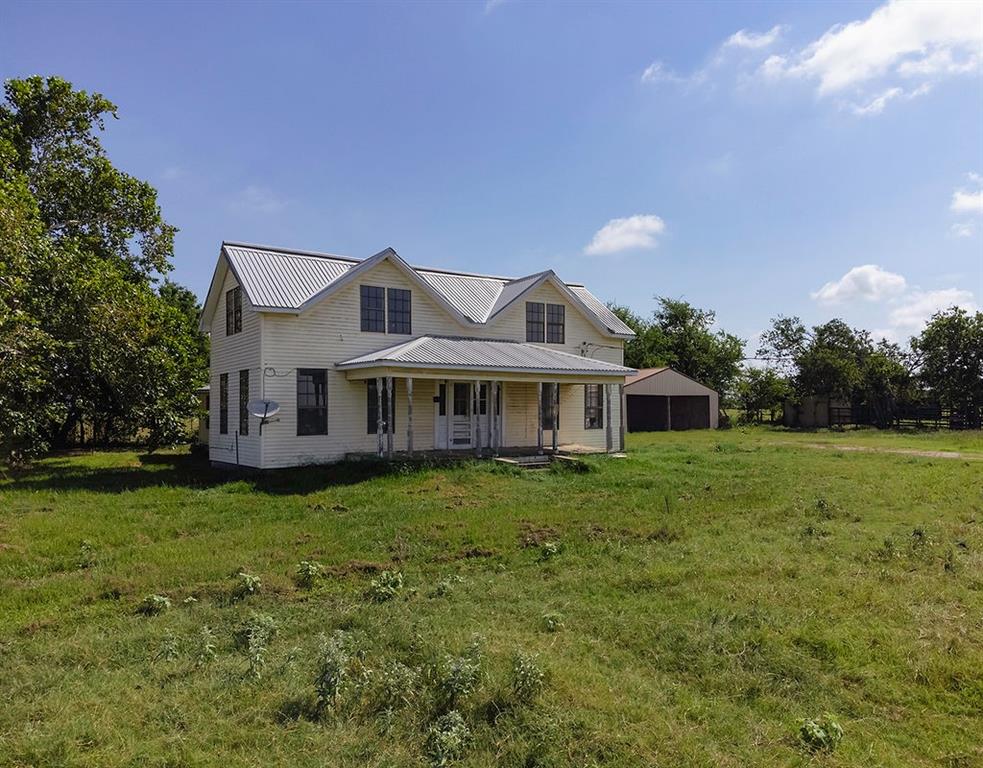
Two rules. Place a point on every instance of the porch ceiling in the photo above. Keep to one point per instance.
(450, 357)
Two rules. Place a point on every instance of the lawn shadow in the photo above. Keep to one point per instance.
(184, 470)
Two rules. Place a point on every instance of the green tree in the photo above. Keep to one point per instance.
(758, 390)
(950, 352)
(682, 336)
(88, 344)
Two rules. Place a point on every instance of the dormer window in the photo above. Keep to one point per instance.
(386, 310)
(535, 320)
(545, 322)
(233, 311)
(555, 325)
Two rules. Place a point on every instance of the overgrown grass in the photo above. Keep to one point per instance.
(701, 600)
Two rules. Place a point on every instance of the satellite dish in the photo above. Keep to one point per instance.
(263, 409)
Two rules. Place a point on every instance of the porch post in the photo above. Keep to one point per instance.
(471, 410)
(539, 411)
(623, 415)
(448, 409)
(493, 410)
(409, 415)
(556, 415)
(392, 413)
(477, 417)
(608, 439)
(378, 414)
(490, 413)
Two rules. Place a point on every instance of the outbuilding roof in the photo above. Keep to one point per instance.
(281, 280)
(455, 353)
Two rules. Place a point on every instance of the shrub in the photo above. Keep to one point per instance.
(386, 587)
(87, 555)
(552, 622)
(254, 637)
(308, 573)
(528, 678)
(821, 735)
(168, 648)
(334, 659)
(548, 551)
(445, 586)
(398, 685)
(459, 676)
(447, 739)
(246, 585)
(207, 647)
(153, 605)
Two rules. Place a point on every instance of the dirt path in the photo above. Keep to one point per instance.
(899, 451)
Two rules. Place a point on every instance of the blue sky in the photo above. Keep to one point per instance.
(753, 158)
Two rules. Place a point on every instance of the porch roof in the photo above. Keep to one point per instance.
(449, 353)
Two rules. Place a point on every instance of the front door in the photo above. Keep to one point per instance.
(452, 416)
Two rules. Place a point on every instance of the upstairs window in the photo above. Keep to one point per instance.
(372, 402)
(373, 300)
(398, 301)
(555, 332)
(233, 311)
(593, 407)
(312, 401)
(535, 321)
(243, 402)
(223, 404)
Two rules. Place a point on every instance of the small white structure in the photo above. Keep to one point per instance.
(376, 356)
(660, 399)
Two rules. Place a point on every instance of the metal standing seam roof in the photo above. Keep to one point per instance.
(284, 280)
(454, 352)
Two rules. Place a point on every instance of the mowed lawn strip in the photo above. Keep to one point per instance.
(689, 605)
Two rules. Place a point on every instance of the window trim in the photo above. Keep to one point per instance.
(597, 407)
(223, 404)
(367, 315)
(323, 418)
(553, 325)
(536, 326)
(243, 402)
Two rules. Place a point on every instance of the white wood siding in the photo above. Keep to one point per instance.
(231, 354)
(329, 332)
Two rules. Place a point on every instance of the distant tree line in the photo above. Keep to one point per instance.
(95, 342)
(942, 365)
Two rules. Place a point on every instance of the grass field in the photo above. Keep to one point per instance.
(688, 605)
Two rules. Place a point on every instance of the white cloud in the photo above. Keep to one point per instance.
(753, 40)
(633, 232)
(656, 72)
(916, 308)
(962, 229)
(256, 199)
(491, 5)
(868, 282)
(967, 202)
(905, 39)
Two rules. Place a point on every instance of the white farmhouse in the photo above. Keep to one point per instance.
(375, 356)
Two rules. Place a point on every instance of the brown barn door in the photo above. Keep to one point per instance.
(689, 411)
(647, 413)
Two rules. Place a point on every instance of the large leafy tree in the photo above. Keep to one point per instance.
(760, 390)
(950, 351)
(835, 360)
(89, 344)
(683, 336)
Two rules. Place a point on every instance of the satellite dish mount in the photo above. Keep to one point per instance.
(264, 410)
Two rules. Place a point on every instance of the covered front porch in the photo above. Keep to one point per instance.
(490, 398)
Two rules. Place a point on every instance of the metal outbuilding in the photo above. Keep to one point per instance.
(660, 399)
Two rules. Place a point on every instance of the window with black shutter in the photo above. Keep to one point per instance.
(243, 402)
(312, 401)
(372, 402)
(555, 332)
(535, 321)
(373, 308)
